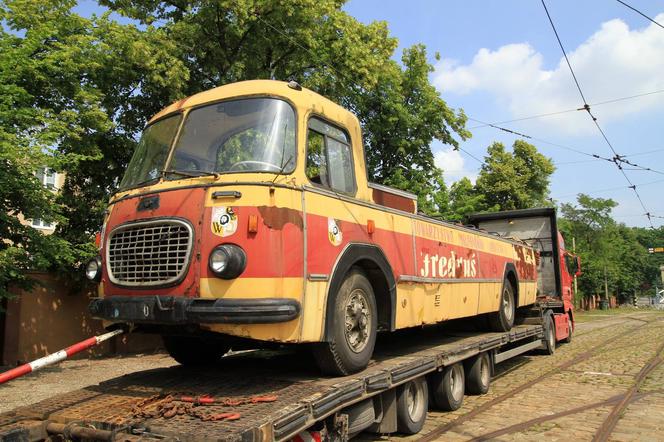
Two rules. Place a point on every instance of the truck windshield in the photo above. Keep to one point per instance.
(245, 135)
(248, 135)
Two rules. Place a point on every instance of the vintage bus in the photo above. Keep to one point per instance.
(246, 215)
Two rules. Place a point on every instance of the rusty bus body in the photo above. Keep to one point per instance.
(246, 212)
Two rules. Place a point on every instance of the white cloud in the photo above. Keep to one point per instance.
(453, 165)
(614, 62)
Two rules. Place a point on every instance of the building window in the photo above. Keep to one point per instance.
(41, 224)
(47, 177)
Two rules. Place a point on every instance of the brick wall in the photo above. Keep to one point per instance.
(53, 316)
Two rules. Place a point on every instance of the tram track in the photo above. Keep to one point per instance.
(581, 357)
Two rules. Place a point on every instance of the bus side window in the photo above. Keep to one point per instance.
(329, 157)
(316, 161)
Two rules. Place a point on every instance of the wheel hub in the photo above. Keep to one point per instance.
(507, 305)
(357, 321)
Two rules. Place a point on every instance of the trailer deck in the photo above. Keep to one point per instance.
(120, 408)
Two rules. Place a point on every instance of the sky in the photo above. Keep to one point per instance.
(500, 61)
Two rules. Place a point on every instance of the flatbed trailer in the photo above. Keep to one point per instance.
(289, 395)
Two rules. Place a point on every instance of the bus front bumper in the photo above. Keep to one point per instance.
(179, 310)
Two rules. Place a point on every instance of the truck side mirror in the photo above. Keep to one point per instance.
(577, 266)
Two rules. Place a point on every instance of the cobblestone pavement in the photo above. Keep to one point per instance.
(608, 384)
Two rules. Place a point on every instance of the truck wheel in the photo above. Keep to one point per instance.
(503, 319)
(570, 327)
(412, 406)
(353, 334)
(360, 417)
(549, 335)
(478, 374)
(194, 351)
(447, 387)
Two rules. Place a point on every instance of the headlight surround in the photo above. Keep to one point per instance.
(93, 269)
(227, 261)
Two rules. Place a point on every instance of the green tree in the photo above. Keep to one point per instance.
(612, 255)
(514, 180)
(464, 200)
(72, 99)
(325, 49)
(84, 89)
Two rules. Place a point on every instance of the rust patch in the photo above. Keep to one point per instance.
(180, 103)
(277, 217)
(526, 262)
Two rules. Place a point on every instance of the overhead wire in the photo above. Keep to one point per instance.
(640, 13)
(586, 107)
(532, 117)
(339, 74)
(609, 189)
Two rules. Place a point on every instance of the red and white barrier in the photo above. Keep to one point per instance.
(56, 357)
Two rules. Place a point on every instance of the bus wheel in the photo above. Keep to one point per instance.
(353, 334)
(412, 406)
(478, 374)
(570, 327)
(447, 387)
(503, 319)
(549, 335)
(194, 351)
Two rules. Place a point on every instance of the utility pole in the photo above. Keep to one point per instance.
(576, 288)
(606, 285)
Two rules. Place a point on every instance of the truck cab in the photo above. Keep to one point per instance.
(557, 267)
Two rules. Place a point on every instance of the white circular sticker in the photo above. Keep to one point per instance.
(334, 232)
(224, 221)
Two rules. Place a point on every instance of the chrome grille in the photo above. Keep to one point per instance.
(149, 253)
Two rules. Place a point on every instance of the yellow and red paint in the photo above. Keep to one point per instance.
(292, 230)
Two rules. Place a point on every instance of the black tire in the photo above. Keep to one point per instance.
(549, 335)
(360, 417)
(478, 374)
(447, 387)
(412, 406)
(503, 319)
(349, 350)
(570, 326)
(194, 351)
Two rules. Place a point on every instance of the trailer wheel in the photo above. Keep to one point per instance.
(447, 387)
(549, 335)
(570, 327)
(194, 351)
(478, 374)
(503, 319)
(353, 334)
(412, 406)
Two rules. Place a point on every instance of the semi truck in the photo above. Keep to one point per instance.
(246, 215)
(259, 254)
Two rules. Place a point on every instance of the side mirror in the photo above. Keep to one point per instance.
(577, 266)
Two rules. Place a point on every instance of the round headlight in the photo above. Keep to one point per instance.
(93, 269)
(227, 261)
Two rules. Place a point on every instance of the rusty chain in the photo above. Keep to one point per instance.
(171, 405)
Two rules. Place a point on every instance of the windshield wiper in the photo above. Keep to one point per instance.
(190, 173)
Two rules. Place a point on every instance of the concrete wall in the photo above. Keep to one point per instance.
(53, 316)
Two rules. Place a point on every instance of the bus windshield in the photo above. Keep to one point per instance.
(237, 136)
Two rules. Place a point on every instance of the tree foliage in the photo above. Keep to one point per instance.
(611, 253)
(77, 91)
(69, 101)
(514, 180)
